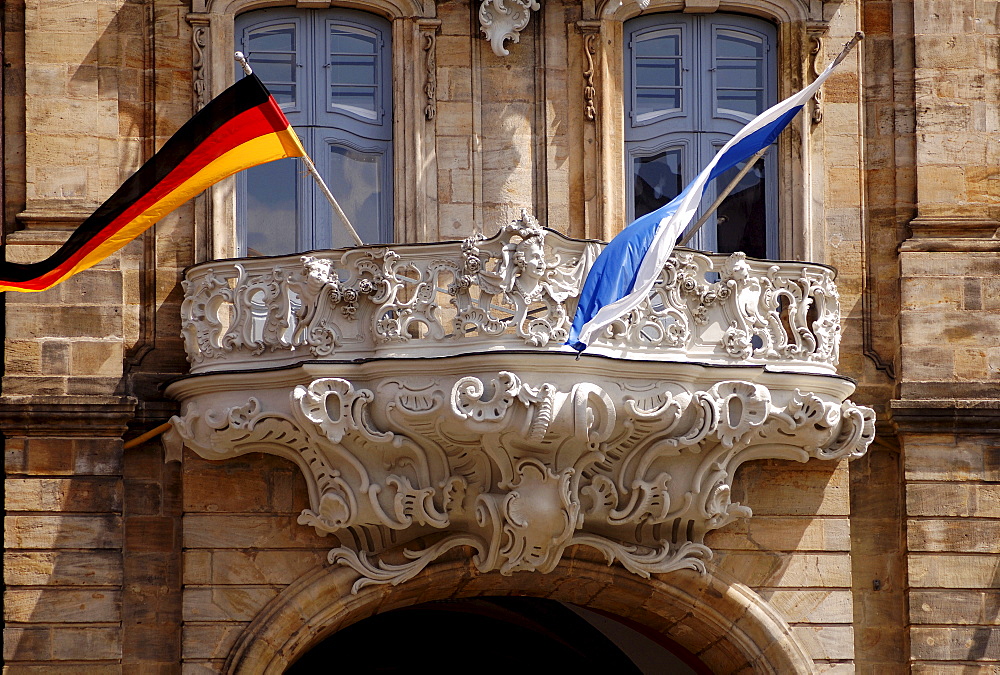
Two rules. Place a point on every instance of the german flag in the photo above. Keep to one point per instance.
(241, 128)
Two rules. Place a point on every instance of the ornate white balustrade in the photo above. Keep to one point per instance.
(515, 291)
(424, 394)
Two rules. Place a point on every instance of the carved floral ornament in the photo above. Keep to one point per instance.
(503, 20)
(519, 463)
(515, 290)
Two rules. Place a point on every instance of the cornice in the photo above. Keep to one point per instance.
(968, 416)
(65, 415)
(952, 233)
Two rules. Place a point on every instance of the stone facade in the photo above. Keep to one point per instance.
(119, 561)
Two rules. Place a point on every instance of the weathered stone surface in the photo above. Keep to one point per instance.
(62, 568)
(956, 643)
(90, 494)
(61, 605)
(779, 569)
(225, 603)
(240, 532)
(63, 532)
(961, 536)
(962, 607)
(953, 499)
(826, 642)
(210, 640)
(784, 534)
(896, 185)
(275, 567)
(950, 570)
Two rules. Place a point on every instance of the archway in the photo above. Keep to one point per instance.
(502, 634)
(725, 624)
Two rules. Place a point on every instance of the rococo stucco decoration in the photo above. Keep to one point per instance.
(426, 396)
(519, 465)
(516, 290)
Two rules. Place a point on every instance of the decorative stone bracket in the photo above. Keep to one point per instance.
(520, 457)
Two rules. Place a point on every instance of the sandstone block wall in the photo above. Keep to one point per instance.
(117, 562)
(63, 536)
(243, 546)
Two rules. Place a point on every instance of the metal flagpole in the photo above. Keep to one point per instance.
(858, 37)
(313, 172)
(722, 196)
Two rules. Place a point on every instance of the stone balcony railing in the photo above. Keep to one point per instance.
(426, 396)
(514, 291)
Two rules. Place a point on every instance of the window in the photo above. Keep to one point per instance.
(330, 71)
(692, 82)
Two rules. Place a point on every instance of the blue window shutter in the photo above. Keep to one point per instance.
(348, 132)
(720, 54)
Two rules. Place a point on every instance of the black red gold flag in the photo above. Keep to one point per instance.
(241, 128)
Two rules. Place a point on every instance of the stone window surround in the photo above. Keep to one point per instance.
(800, 55)
(414, 28)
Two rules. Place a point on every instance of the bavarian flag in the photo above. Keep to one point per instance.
(241, 128)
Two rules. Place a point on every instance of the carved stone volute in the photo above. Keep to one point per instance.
(519, 459)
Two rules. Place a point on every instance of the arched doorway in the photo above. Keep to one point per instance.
(502, 634)
(727, 626)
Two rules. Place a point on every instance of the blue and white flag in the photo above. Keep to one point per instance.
(624, 273)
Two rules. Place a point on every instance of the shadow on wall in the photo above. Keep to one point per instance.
(795, 549)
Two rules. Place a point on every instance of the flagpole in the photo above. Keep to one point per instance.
(307, 160)
(858, 37)
(722, 196)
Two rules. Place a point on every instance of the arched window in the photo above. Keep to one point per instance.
(691, 82)
(330, 71)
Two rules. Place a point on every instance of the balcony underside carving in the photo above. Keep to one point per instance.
(519, 456)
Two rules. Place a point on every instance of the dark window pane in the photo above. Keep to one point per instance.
(658, 73)
(356, 181)
(270, 215)
(657, 180)
(272, 55)
(657, 70)
(353, 70)
(345, 40)
(358, 100)
(730, 44)
(742, 217)
(354, 61)
(749, 102)
(661, 43)
(739, 73)
(656, 100)
(280, 38)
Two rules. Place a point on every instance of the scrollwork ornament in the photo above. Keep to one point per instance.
(405, 469)
(817, 53)
(199, 80)
(430, 74)
(503, 20)
(335, 406)
(589, 90)
(743, 407)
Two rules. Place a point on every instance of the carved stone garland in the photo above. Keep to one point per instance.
(518, 471)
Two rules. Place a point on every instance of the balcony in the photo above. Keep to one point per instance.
(425, 393)
(513, 292)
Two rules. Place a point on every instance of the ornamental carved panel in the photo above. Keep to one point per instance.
(516, 456)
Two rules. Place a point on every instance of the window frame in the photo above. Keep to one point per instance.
(414, 29)
(802, 30)
(699, 125)
(321, 125)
